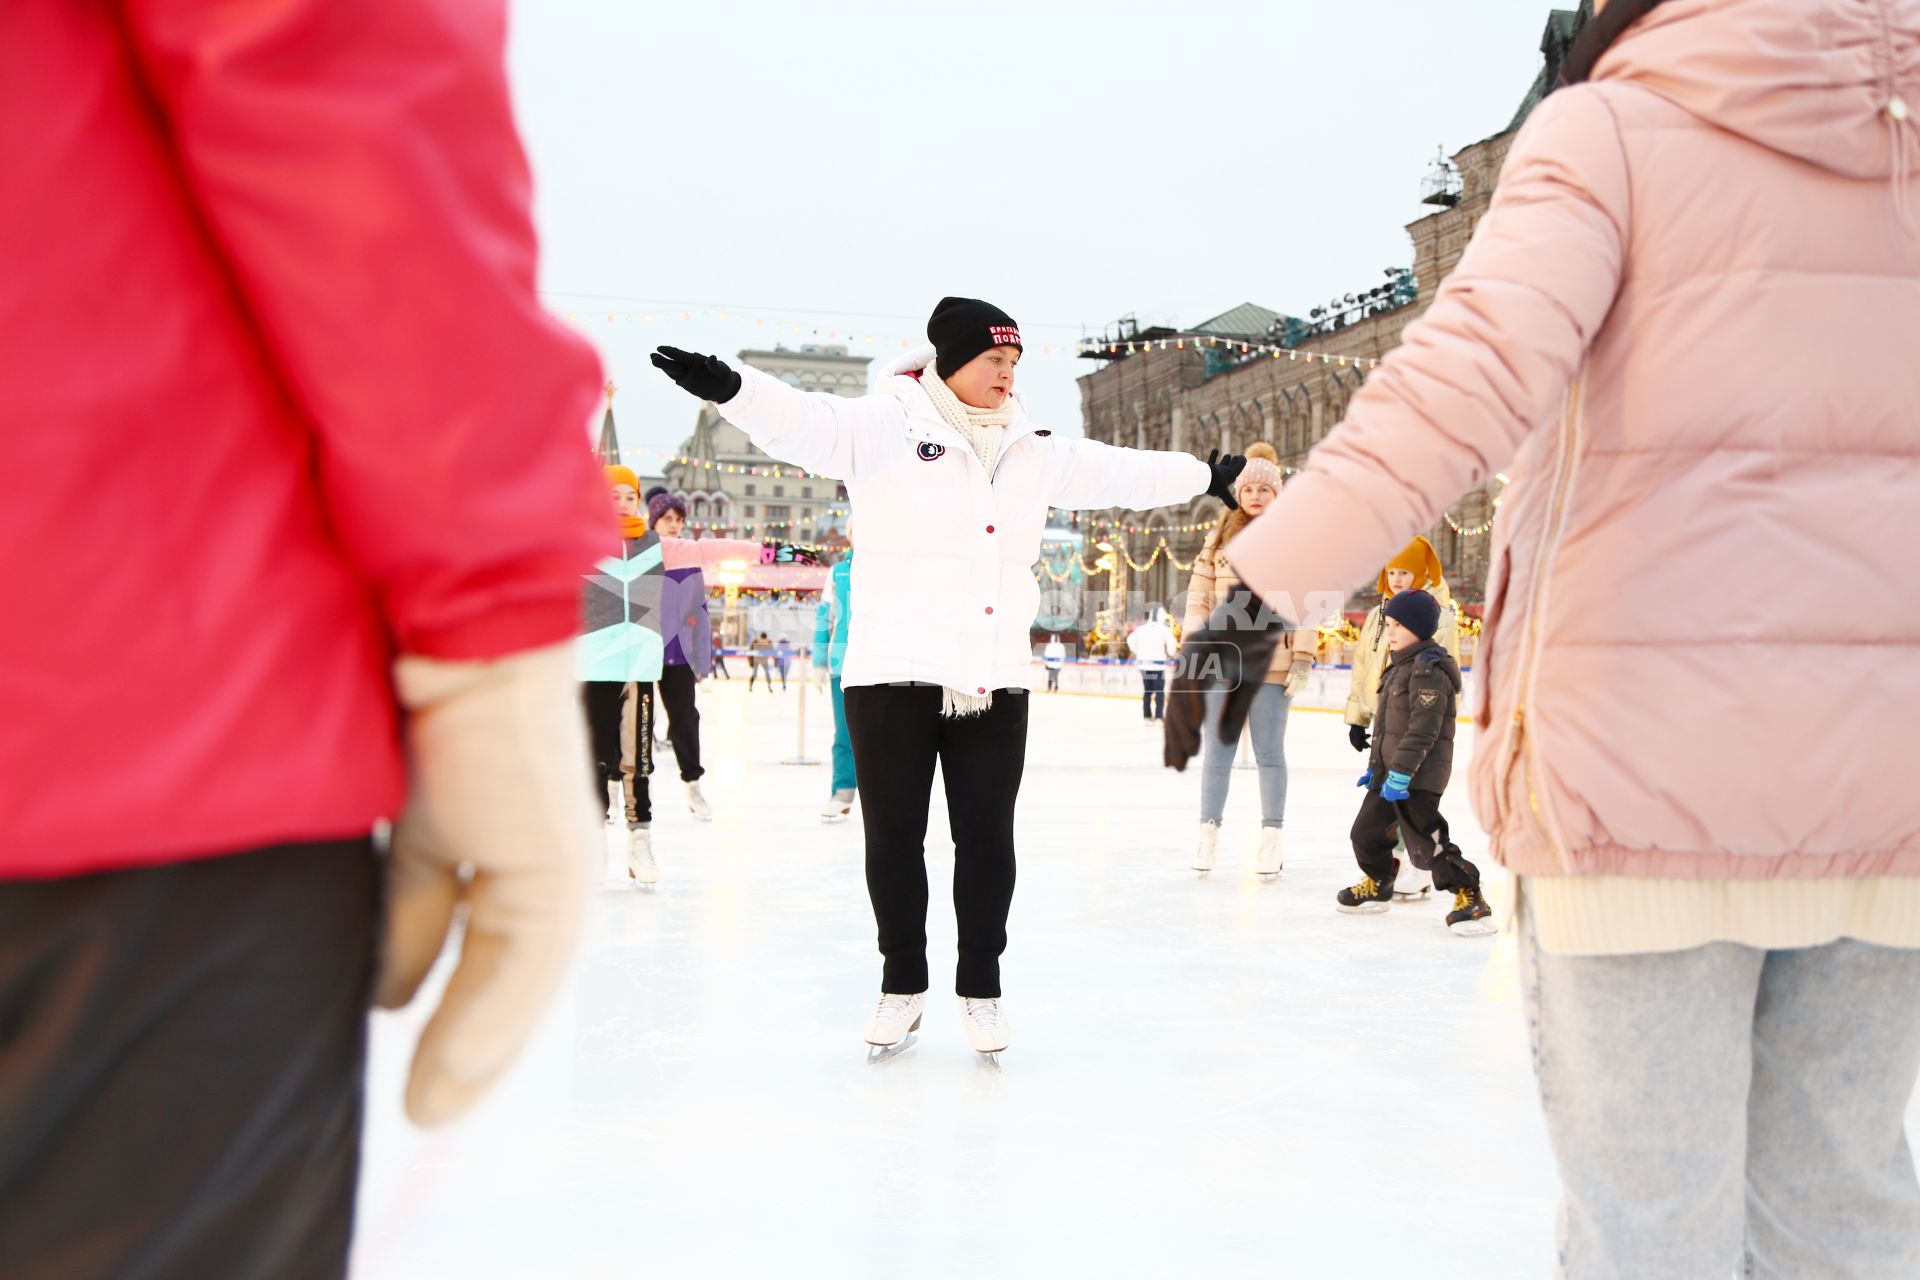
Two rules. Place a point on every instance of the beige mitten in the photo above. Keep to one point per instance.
(500, 820)
(1297, 676)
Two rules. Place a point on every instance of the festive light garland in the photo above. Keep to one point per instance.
(1203, 341)
(654, 311)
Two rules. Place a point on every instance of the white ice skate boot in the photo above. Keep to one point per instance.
(1267, 861)
(839, 807)
(986, 1024)
(890, 1029)
(1413, 884)
(697, 803)
(640, 867)
(616, 804)
(1209, 841)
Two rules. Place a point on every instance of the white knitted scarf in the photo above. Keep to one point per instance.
(983, 430)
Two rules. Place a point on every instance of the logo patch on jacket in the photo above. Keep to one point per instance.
(931, 452)
(1428, 697)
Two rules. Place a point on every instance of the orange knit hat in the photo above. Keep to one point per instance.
(1419, 559)
(623, 475)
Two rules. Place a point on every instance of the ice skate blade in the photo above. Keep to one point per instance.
(1268, 877)
(1363, 909)
(1413, 897)
(830, 819)
(1485, 928)
(989, 1058)
(879, 1053)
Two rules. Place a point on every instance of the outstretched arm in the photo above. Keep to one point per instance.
(1093, 474)
(1476, 375)
(833, 436)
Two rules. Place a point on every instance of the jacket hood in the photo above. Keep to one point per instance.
(1835, 83)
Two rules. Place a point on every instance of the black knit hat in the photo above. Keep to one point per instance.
(962, 328)
(1417, 611)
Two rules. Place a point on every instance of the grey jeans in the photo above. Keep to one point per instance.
(1267, 724)
(1728, 1107)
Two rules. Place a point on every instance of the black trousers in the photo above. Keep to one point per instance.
(898, 735)
(620, 731)
(182, 1062)
(1053, 679)
(1153, 698)
(677, 683)
(758, 669)
(1417, 821)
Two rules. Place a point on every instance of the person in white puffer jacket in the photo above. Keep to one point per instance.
(950, 482)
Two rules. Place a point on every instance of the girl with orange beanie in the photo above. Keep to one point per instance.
(1213, 580)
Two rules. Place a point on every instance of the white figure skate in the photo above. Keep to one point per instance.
(697, 803)
(1413, 884)
(640, 865)
(1203, 854)
(838, 807)
(890, 1029)
(987, 1029)
(1267, 861)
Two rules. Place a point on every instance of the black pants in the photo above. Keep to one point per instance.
(720, 666)
(1153, 699)
(1417, 821)
(622, 743)
(182, 1062)
(758, 669)
(1053, 679)
(898, 734)
(683, 718)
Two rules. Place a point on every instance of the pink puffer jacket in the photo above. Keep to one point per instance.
(1689, 327)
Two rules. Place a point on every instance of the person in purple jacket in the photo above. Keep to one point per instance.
(688, 633)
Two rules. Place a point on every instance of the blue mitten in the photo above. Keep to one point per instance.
(1396, 788)
(1366, 780)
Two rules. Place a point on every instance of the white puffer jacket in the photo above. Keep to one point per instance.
(943, 585)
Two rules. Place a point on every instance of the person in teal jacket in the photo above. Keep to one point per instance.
(830, 621)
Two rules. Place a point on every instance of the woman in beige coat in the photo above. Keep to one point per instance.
(1213, 580)
(1689, 329)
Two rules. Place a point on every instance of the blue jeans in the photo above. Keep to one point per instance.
(1268, 723)
(843, 775)
(1729, 1106)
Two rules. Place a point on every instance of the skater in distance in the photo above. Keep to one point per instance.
(1720, 955)
(950, 482)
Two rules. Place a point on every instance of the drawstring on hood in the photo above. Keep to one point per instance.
(1899, 117)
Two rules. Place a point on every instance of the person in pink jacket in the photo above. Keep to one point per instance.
(1689, 329)
(270, 268)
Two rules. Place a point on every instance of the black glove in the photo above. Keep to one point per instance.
(1357, 735)
(1234, 651)
(708, 377)
(1225, 471)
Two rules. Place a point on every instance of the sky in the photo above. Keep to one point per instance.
(806, 170)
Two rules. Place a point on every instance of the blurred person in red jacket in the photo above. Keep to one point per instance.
(273, 266)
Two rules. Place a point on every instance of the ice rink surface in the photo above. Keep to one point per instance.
(1208, 1077)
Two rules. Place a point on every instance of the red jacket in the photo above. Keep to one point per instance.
(276, 401)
